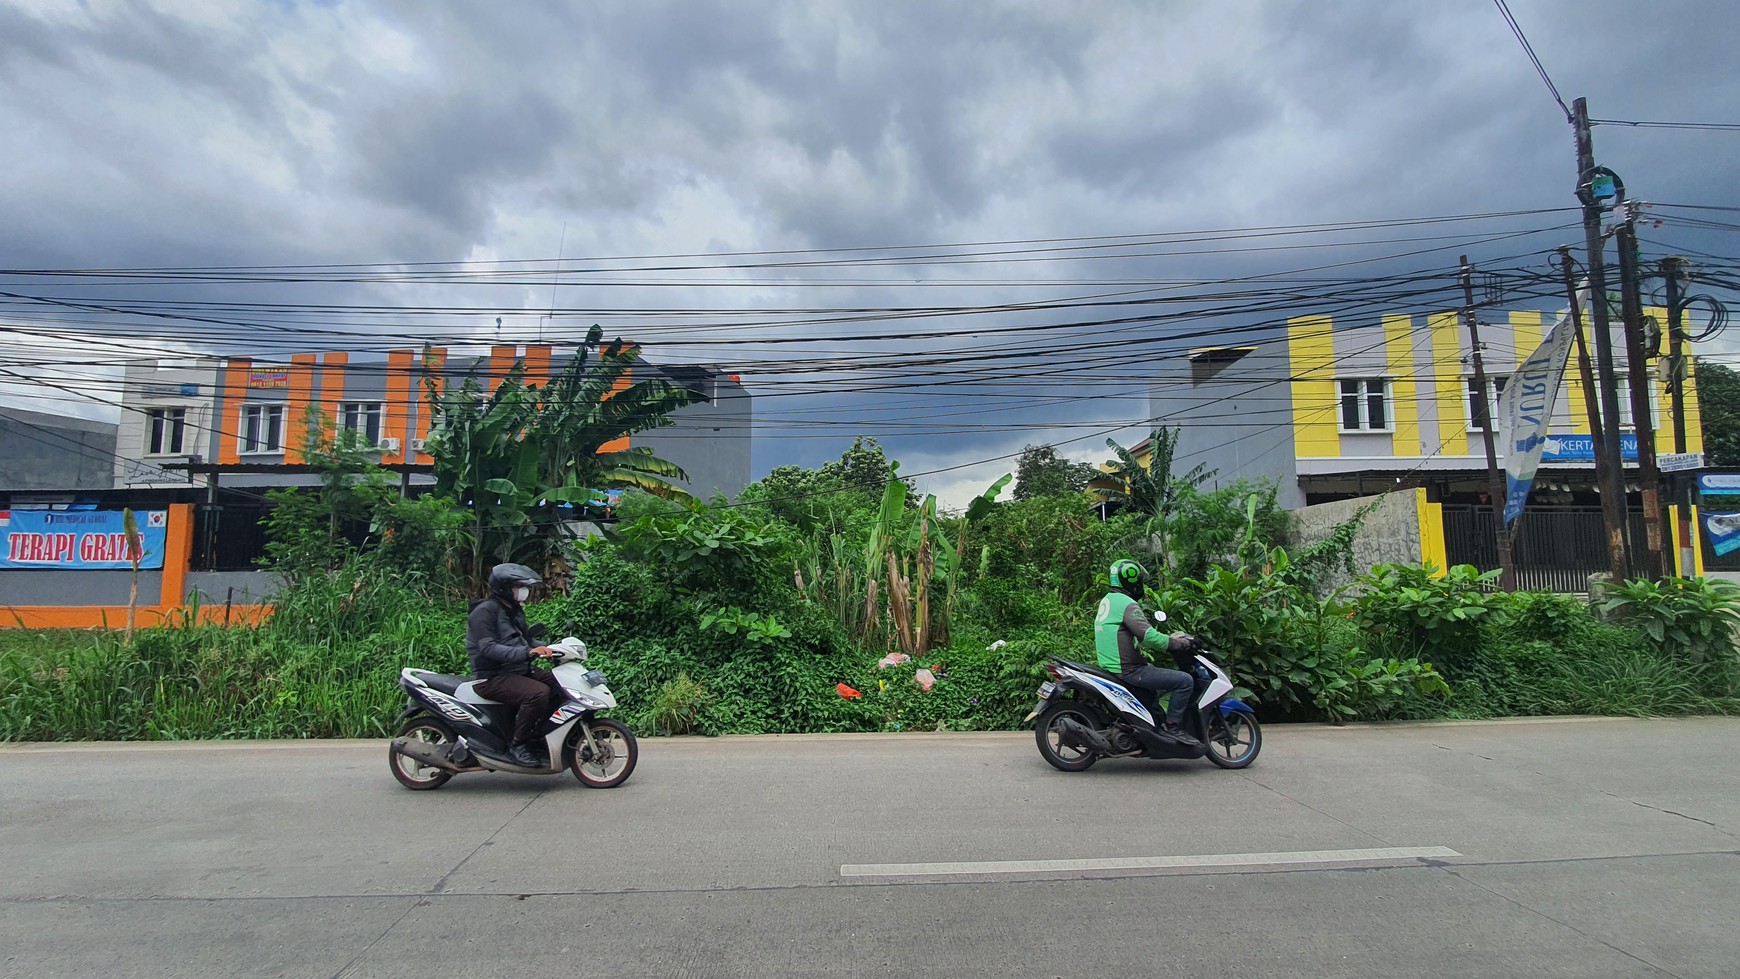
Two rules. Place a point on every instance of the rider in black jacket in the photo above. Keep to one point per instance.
(501, 648)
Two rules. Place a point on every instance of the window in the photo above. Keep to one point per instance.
(1364, 406)
(165, 428)
(263, 428)
(1623, 377)
(1477, 412)
(362, 417)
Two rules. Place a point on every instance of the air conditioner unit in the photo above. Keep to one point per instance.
(419, 445)
(389, 445)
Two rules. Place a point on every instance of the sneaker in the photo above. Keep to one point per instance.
(1177, 733)
(523, 756)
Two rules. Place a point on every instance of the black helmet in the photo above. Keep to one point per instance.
(504, 578)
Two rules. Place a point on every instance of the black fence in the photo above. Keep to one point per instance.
(1553, 550)
(232, 537)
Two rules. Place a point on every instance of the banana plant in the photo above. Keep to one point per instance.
(514, 457)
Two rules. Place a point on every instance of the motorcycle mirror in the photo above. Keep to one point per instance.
(1159, 616)
(538, 630)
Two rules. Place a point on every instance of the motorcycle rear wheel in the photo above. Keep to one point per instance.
(617, 754)
(1061, 756)
(1234, 740)
(410, 772)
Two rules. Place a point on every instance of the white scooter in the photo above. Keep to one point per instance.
(449, 728)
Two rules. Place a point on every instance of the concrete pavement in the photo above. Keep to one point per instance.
(1584, 847)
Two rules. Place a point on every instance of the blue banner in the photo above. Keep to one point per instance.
(63, 539)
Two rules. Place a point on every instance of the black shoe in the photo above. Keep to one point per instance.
(1177, 733)
(523, 756)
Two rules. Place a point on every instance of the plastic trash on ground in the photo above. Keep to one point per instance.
(846, 693)
(891, 659)
(925, 679)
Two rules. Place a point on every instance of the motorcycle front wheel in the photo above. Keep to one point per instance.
(410, 772)
(1234, 739)
(1057, 752)
(614, 761)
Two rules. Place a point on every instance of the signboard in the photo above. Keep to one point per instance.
(1723, 529)
(83, 539)
(269, 377)
(1676, 462)
(1573, 448)
(1720, 483)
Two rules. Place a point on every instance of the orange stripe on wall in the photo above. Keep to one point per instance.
(296, 408)
(621, 384)
(177, 555)
(235, 395)
(397, 420)
(538, 363)
(501, 360)
(434, 361)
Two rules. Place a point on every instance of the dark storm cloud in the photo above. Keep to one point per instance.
(235, 132)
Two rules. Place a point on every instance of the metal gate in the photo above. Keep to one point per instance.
(1554, 549)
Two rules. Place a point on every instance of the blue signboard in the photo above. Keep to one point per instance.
(62, 539)
(1725, 484)
(1572, 448)
(1723, 529)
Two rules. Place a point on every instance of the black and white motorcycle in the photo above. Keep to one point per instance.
(450, 728)
(1086, 714)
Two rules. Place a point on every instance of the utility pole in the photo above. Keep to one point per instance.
(1612, 506)
(1611, 475)
(1495, 482)
(1677, 371)
(1642, 405)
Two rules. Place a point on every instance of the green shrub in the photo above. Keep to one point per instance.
(676, 709)
(1690, 620)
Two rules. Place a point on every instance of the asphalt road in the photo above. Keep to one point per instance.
(1571, 848)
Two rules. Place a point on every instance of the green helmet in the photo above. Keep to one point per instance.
(1128, 574)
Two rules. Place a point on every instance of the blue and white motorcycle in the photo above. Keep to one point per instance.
(448, 728)
(1086, 714)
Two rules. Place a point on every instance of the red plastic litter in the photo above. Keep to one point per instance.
(846, 693)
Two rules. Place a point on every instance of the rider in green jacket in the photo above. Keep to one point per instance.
(1121, 630)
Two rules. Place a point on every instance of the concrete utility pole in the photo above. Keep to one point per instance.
(1494, 481)
(1609, 467)
(1671, 269)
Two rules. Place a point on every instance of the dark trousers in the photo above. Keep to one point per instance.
(536, 694)
(1153, 681)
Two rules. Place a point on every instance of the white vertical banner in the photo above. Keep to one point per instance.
(1525, 409)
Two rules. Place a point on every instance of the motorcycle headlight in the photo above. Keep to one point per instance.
(584, 700)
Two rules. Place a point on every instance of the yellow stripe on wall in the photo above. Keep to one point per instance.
(1399, 353)
(1311, 356)
(1525, 334)
(1447, 372)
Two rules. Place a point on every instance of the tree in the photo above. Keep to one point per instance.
(1719, 409)
(522, 459)
(826, 496)
(1150, 491)
(1041, 471)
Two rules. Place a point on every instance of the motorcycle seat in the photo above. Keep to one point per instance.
(1092, 671)
(442, 681)
(467, 694)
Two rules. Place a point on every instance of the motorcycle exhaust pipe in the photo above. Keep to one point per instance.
(433, 755)
(1080, 735)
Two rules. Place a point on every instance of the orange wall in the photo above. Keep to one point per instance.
(396, 422)
(296, 407)
(229, 413)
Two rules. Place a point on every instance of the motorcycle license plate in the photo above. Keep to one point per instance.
(1045, 690)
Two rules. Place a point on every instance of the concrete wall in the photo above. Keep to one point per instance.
(1399, 531)
(237, 587)
(709, 439)
(53, 452)
(74, 589)
(1233, 419)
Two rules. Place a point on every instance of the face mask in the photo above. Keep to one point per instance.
(521, 594)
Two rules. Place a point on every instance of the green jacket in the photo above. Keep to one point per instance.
(1121, 628)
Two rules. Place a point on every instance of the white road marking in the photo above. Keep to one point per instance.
(1387, 853)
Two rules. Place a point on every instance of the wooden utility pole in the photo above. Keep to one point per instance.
(1494, 479)
(1610, 465)
(1678, 371)
(1612, 506)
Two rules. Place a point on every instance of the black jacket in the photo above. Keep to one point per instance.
(498, 639)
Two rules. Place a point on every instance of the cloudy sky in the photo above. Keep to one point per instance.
(808, 193)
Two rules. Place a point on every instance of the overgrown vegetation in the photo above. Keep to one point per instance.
(834, 599)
